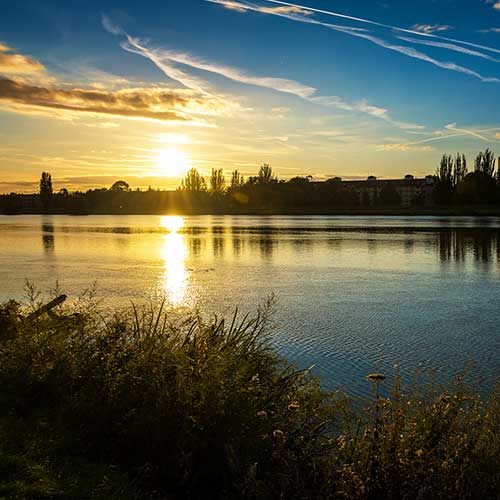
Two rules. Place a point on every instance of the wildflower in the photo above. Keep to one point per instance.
(294, 405)
(262, 413)
(377, 377)
(419, 453)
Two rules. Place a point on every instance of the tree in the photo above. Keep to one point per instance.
(485, 162)
(444, 186)
(193, 182)
(45, 189)
(120, 186)
(266, 175)
(445, 170)
(217, 182)
(459, 170)
(237, 180)
(477, 187)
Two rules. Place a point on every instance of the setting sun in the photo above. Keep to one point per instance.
(172, 162)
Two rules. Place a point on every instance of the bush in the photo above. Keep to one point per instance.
(147, 404)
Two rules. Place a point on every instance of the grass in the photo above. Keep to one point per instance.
(144, 403)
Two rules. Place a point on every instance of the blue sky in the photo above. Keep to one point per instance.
(93, 90)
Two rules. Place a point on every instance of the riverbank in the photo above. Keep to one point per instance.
(146, 403)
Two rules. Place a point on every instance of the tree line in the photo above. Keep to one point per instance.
(453, 185)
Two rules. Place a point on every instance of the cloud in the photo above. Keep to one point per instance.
(402, 49)
(167, 59)
(490, 30)
(169, 62)
(110, 26)
(449, 46)
(453, 127)
(280, 110)
(404, 148)
(413, 53)
(18, 64)
(154, 103)
(285, 9)
(430, 28)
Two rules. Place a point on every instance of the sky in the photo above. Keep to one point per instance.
(96, 91)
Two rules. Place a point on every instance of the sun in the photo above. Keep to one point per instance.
(172, 162)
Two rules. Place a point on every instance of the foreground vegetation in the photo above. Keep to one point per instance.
(147, 404)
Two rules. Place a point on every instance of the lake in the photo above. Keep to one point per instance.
(354, 295)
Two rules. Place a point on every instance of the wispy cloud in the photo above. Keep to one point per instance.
(490, 30)
(404, 148)
(379, 24)
(170, 62)
(377, 40)
(449, 46)
(165, 105)
(17, 64)
(453, 127)
(284, 9)
(165, 58)
(428, 29)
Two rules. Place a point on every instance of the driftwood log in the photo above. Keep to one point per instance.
(47, 308)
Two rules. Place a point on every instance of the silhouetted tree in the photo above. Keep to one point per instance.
(120, 186)
(46, 189)
(237, 180)
(459, 170)
(266, 175)
(444, 185)
(485, 162)
(217, 182)
(477, 187)
(193, 182)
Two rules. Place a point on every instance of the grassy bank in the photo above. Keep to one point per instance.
(146, 404)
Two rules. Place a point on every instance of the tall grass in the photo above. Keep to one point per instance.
(147, 404)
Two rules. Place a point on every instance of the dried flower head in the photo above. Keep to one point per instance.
(278, 434)
(377, 377)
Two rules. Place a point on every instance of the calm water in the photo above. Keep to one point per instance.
(354, 295)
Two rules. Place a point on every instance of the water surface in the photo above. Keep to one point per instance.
(354, 294)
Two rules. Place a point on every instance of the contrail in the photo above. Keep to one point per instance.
(408, 51)
(382, 25)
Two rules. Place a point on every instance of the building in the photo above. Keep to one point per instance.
(411, 191)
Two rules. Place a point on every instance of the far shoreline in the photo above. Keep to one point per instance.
(466, 211)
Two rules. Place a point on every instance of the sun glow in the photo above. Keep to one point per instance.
(172, 162)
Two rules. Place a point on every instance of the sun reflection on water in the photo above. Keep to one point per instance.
(174, 281)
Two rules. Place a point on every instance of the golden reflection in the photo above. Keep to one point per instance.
(174, 281)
